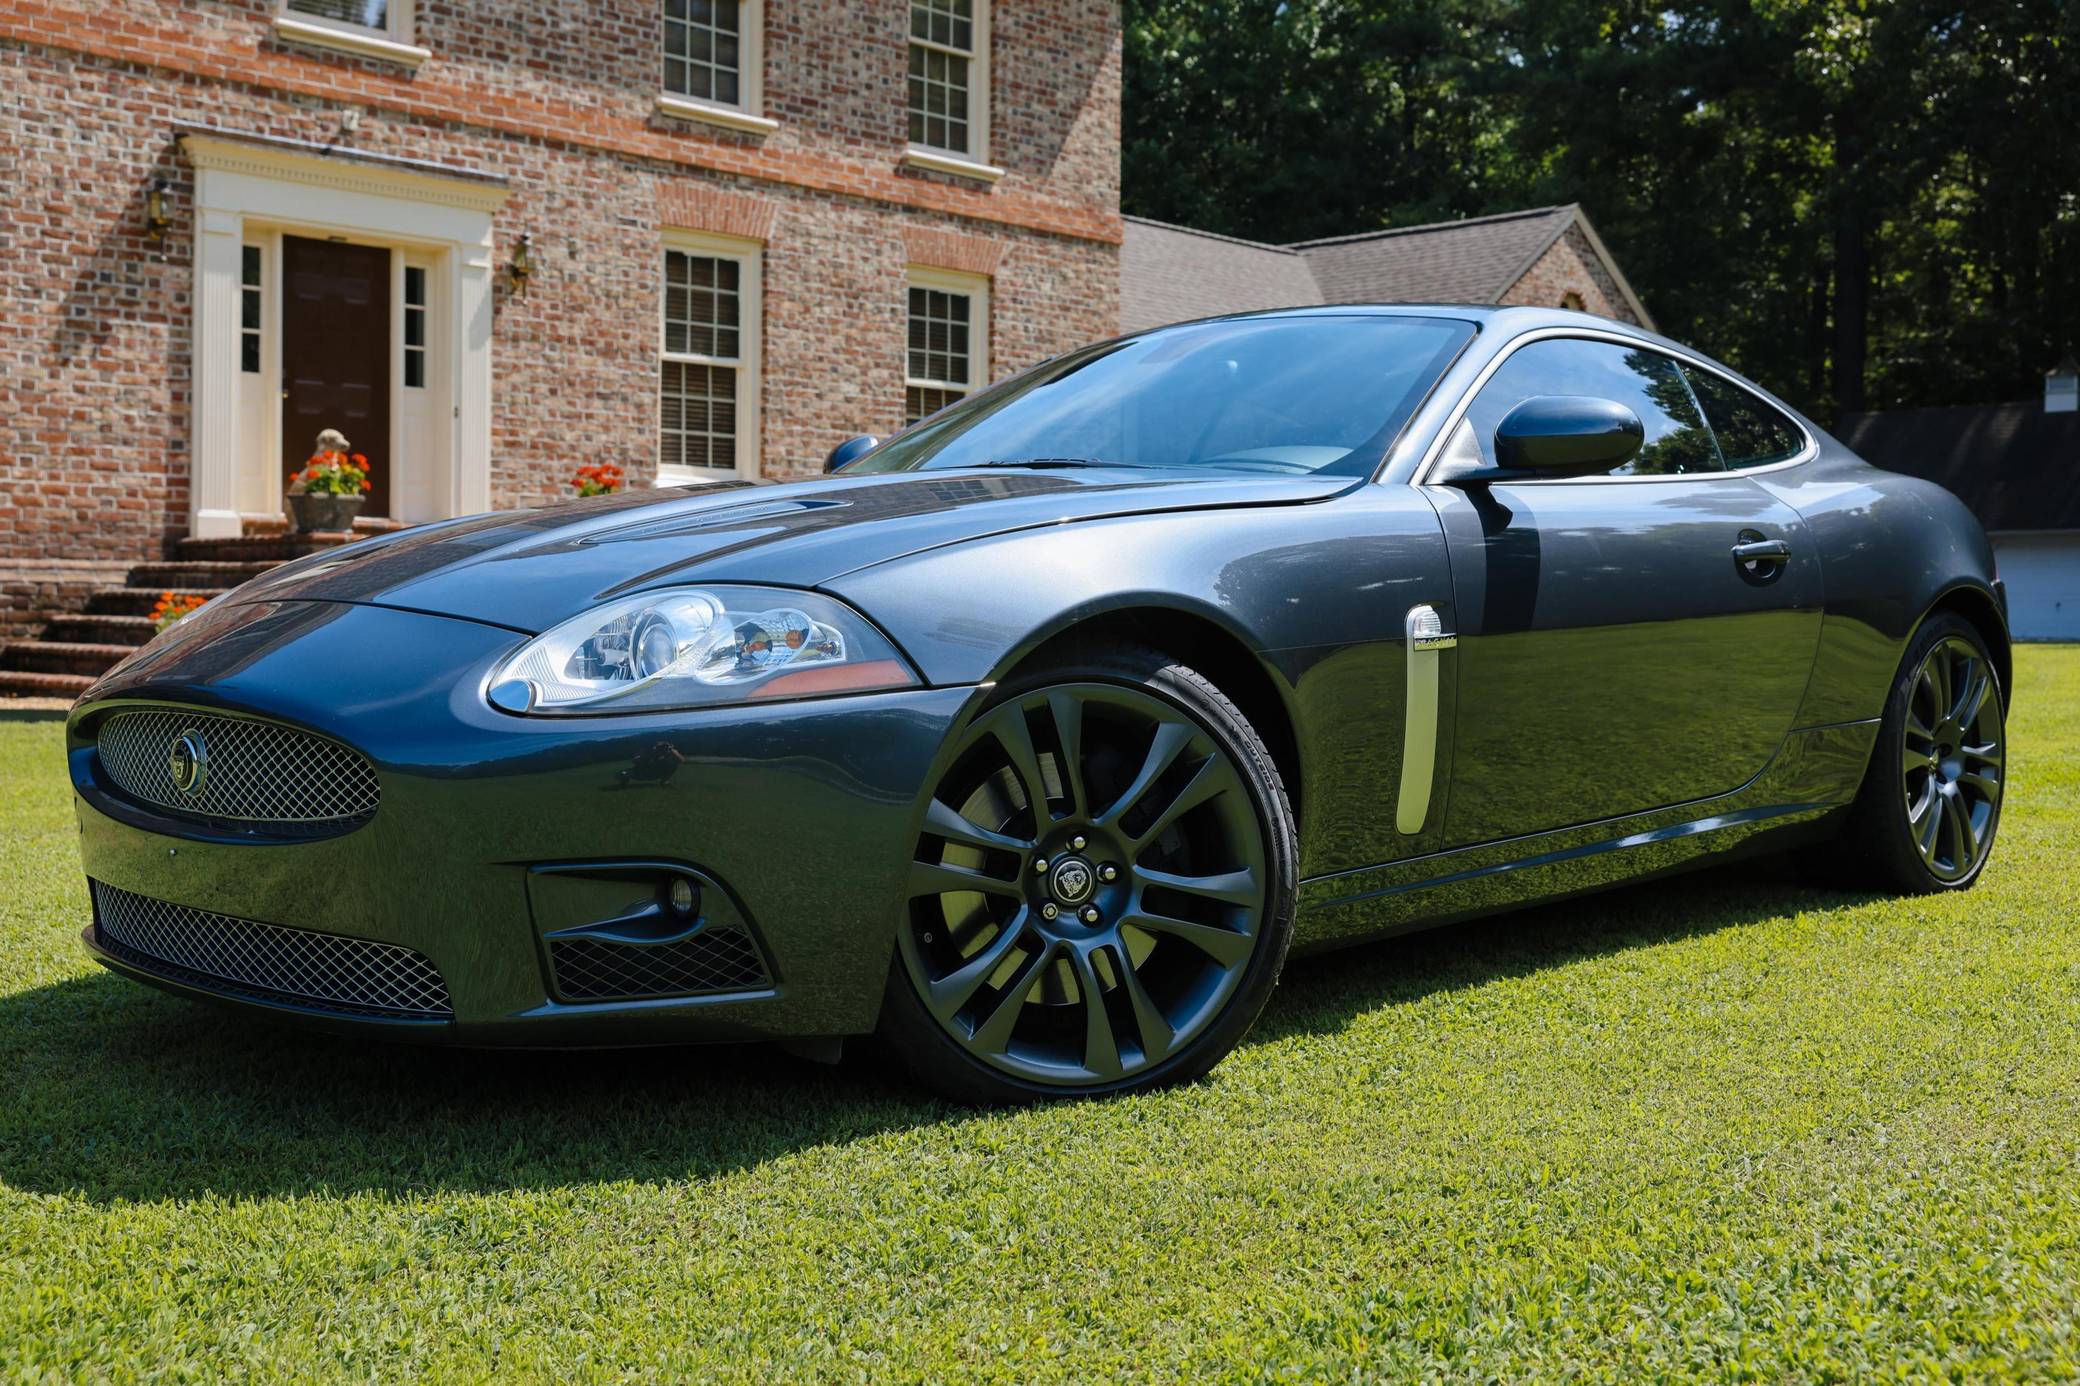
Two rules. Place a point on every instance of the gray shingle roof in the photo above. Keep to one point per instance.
(1173, 273)
(1472, 261)
(1169, 274)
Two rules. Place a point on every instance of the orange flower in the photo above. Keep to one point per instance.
(368, 486)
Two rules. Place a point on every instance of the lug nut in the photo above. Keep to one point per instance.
(1040, 865)
(1108, 872)
(1076, 844)
(1090, 914)
(1048, 910)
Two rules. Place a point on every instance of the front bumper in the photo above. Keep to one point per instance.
(797, 818)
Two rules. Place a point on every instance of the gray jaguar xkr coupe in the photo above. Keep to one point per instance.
(1035, 737)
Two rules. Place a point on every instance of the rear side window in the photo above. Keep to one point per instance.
(1646, 382)
(1750, 432)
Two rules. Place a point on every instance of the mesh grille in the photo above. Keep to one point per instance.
(597, 969)
(254, 772)
(326, 971)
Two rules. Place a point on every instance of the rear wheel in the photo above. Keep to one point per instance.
(1931, 800)
(1102, 890)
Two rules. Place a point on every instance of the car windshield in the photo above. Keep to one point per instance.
(1323, 394)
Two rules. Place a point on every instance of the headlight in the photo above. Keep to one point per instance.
(695, 647)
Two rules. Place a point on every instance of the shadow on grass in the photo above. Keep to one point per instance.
(116, 1092)
(32, 714)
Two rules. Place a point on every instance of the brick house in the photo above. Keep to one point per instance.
(491, 240)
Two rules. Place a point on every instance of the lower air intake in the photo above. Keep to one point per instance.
(715, 959)
(268, 962)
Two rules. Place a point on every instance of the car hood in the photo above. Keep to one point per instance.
(530, 569)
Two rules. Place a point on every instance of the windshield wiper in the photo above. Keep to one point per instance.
(1052, 463)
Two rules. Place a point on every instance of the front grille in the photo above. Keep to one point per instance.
(252, 771)
(330, 972)
(598, 969)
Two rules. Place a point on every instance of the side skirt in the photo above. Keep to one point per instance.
(1813, 776)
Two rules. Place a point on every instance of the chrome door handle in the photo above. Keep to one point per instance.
(1761, 551)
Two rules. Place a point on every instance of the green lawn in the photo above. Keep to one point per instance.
(1726, 1126)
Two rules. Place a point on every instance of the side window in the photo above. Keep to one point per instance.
(1750, 432)
(1648, 383)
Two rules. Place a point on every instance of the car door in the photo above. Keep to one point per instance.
(1624, 642)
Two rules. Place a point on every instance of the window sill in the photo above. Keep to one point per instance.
(916, 156)
(366, 45)
(684, 108)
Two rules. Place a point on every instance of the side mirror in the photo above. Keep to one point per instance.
(1567, 435)
(849, 449)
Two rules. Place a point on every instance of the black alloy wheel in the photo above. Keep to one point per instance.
(1101, 891)
(1931, 800)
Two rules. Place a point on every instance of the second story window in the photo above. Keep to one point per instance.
(704, 50)
(713, 62)
(949, 77)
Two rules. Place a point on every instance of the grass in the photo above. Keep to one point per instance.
(1727, 1126)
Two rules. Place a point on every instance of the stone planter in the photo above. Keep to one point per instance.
(321, 511)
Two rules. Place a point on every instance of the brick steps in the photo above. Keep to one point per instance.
(61, 657)
(74, 648)
(191, 573)
(22, 684)
(138, 601)
(98, 629)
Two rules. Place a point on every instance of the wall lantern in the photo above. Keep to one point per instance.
(521, 267)
(155, 218)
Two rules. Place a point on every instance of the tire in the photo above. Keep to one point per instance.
(1175, 920)
(1930, 760)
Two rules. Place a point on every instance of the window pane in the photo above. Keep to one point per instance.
(698, 418)
(938, 99)
(249, 353)
(922, 400)
(702, 305)
(415, 285)
(415, 370)
(373, 14)
(939, 336)
(1750, 432)
(951, 22)
(1646, 382)
(702, 56)
(249, 266)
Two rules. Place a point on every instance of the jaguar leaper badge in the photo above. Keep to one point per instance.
(188, 763)
(1072, 881)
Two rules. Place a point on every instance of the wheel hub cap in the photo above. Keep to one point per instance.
(1071, 881)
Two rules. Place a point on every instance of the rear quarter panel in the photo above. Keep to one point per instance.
(1891, 547)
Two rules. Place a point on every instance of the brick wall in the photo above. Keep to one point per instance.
(558, 99)
(1570, 266)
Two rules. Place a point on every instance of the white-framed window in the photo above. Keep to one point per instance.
(947, 352)
(714, 63)
(708, 361)
(252, 303)
(949, 80)
(414, 363)
(372, 28)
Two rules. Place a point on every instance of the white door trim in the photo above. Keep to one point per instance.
(299, 188)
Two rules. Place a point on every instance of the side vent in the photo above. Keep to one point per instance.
(1427, 638)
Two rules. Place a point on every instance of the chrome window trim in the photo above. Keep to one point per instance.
(1421, 475)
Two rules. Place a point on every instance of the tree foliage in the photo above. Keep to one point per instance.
(1862, 203)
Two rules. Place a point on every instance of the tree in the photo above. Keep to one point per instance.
(1858, 202)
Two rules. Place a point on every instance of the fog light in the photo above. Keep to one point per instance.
(683, 895)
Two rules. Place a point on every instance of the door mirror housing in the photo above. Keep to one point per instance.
(850, 449)
(1567, 435)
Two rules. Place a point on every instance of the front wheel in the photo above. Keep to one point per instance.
(1101, 895)
(1925, 818)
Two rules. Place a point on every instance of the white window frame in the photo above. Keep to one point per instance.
(972, 162)
(393, 41)
(748, 112)
(750, 258)
(976, 287)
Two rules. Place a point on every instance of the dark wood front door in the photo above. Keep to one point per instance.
(336, 354)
